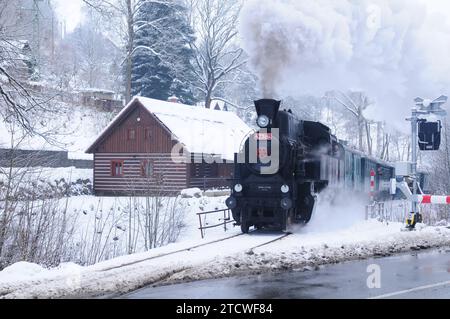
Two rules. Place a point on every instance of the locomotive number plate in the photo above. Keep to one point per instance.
(263, 136)
(264, 188)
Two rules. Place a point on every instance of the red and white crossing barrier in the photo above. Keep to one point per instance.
(432, 199)
(422, 198)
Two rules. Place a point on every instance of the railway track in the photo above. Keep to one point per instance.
(270, 241)
(194, 247)
(259, 241)
(171, 253)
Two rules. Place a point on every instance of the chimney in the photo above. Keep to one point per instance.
(173, 99)
(268, 108)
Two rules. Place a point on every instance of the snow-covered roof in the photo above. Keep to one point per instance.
(214, 105)
(200, 130)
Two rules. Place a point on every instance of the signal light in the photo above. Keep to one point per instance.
(429, 135)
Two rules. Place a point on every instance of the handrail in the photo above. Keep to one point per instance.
(226, 220)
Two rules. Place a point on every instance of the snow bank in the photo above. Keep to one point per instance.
(300, 251)
(80, 156)
(191, 192)
(306, 252)
(51, 174)
(20, 271)
(73, 128)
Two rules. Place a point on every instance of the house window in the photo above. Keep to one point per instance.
(116, 168)
(148, 133)
(131, 134)
(147, 168)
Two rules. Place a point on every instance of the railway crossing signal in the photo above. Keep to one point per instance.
(429, 135)
(423, 107)
(372, 185)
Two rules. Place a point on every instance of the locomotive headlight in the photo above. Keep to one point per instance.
(285, 189)
(262, 121)
(238, 188)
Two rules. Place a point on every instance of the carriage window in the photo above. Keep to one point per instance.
(116, 168)
(147, 169)
(131, 134)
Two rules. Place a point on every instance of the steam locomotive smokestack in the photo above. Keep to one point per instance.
(267, 107)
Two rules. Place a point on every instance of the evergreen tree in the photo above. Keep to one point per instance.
(162, 57)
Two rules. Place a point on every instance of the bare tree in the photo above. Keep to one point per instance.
(356, 103)
(217, 54)
(155, 217)
(18, 102)
(34, 224)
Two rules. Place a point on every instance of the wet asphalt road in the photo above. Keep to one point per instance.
(415, 275)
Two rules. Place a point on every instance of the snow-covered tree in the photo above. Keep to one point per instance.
(162, 57)
(17, 65)
(217, 54)
(120, 18)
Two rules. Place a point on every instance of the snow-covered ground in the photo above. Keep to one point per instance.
(321, 242)
(69, 174)
(73, 128)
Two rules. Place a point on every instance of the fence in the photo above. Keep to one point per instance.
(398, 211)
(375, 210)
(226, 220)
(205, 183)
(33, 158)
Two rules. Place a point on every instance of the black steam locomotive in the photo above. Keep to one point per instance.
(282, 167)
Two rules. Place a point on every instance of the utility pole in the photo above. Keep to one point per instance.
(36, 31)
(423, 107)
(53, 35)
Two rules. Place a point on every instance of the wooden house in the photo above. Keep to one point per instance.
(155, 146)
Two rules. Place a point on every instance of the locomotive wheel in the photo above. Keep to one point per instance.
(245, 227)
(309, 201)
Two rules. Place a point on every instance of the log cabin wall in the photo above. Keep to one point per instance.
(142, 174)
(150, 136)
(134, 158)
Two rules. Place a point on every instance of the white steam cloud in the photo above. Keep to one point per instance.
(395, 50)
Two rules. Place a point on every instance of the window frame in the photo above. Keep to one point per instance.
(144, 166)
(148, 133)
(113, 168)
(131, 129)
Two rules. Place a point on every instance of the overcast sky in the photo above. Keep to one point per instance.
(70, 10)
